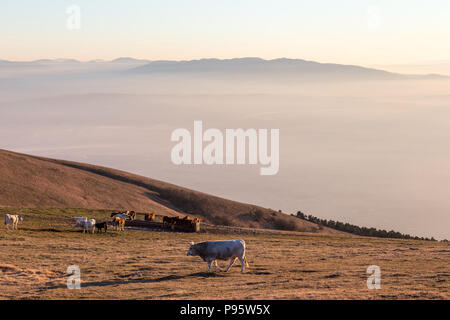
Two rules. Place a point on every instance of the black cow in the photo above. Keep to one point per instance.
(101, 225)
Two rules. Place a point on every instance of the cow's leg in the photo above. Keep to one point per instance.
(231, 264)
(210, 262)
(215, 264)
(242, 260)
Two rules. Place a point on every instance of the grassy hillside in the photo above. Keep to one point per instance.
(30, 181)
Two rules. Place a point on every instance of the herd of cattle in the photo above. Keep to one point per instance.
(117, 220)
(177, 223)
(209, 251)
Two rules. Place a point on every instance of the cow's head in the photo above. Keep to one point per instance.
(191, 251)
(20, 218)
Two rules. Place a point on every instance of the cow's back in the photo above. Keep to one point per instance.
(222, 249)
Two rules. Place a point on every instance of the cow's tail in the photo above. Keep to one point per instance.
(245, 258)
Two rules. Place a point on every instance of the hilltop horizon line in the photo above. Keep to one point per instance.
(144, 65)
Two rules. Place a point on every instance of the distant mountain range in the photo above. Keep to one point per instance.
(258, 66)
(239, 66)
(74, 61)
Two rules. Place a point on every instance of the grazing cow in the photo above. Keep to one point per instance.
(210, 251)
(169, 221)
(12, 219)
(88, 225)
(119, 223)
(79, 222)
(184, 225)
(131, 214)
(101, 225)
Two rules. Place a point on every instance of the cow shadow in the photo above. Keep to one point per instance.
(41, 230)
(117, 282)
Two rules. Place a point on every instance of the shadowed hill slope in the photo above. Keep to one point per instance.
(30, 181)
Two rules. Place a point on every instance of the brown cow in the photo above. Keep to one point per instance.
(170, 221)
(183, 225)
(150, 217)
(131, 214)
(119, 223)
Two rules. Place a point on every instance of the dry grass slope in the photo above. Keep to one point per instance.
(153, 265)
(30, 181)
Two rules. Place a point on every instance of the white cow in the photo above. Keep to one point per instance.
(211, 251)
(88, 225)
(12, 219)
(79, 221)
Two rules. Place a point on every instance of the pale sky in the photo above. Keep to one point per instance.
(348, 31)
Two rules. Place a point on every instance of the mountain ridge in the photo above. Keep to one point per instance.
(237, 66)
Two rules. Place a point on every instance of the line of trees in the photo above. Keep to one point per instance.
(360, 231)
